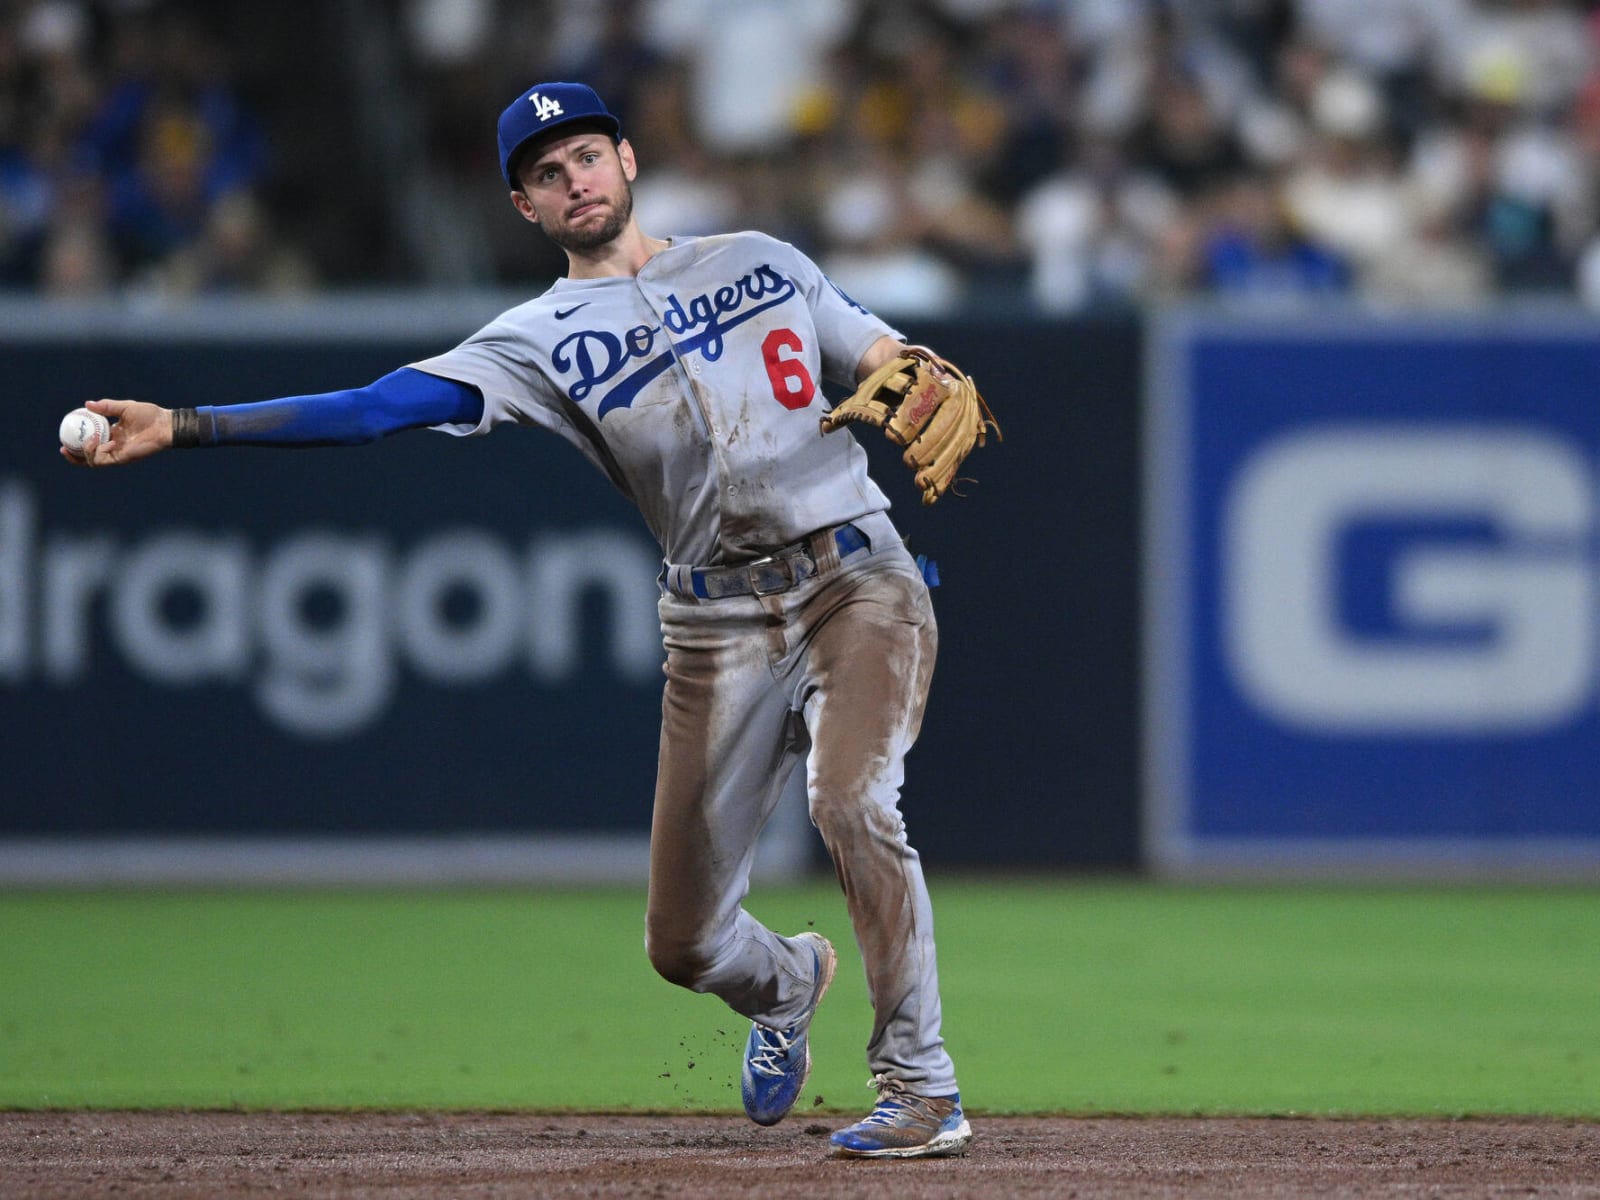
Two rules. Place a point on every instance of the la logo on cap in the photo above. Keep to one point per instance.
(544, 106)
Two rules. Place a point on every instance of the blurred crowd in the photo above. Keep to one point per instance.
(127, 158)
(1063, 154)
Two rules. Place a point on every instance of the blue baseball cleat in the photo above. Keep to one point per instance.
(777, 1061)
(906, 1126)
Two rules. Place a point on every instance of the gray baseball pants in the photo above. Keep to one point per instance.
(834, 671)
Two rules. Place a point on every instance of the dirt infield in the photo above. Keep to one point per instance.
(399, 1156)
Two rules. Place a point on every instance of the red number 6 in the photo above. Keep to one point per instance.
(792, 385)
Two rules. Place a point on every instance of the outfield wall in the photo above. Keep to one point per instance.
(437, 658)
(1306, 595)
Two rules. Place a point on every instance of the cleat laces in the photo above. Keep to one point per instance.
(893, 1101)
(776, 1044)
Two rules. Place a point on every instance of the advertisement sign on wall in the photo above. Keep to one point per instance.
(439, 658)
(433, 657)
(1372, 597)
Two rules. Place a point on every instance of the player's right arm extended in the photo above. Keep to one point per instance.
(403, 399)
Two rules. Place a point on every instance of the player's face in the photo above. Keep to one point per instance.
(578, 189)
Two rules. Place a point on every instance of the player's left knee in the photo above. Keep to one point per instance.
(685, 963)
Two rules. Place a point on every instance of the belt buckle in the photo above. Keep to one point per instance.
(751, 571)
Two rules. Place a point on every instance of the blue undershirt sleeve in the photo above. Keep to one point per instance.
(403, 399)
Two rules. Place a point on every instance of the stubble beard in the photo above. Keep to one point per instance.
(583, 241)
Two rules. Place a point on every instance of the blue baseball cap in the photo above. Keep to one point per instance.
(546, 107)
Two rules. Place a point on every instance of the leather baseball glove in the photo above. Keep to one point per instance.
(926, 404)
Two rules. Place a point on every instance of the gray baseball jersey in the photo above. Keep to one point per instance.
(695, 386)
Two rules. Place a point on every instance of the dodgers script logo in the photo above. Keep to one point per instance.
(697, 327)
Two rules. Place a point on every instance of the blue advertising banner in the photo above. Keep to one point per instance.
(1371, 594)
(440, 637)
(439, 658)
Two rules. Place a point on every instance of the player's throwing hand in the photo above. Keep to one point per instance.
(138, 430)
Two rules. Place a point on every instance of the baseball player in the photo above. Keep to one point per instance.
(797, 627)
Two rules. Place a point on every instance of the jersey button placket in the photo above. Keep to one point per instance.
(691, 369)
(706, 405)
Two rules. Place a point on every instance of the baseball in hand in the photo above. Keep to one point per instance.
(82, 430)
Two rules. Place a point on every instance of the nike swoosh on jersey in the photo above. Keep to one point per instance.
(563, 313)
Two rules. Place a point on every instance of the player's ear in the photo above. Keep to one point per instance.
(630, 167)
(523, 205)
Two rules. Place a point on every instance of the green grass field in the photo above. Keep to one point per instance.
(1080, 997)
